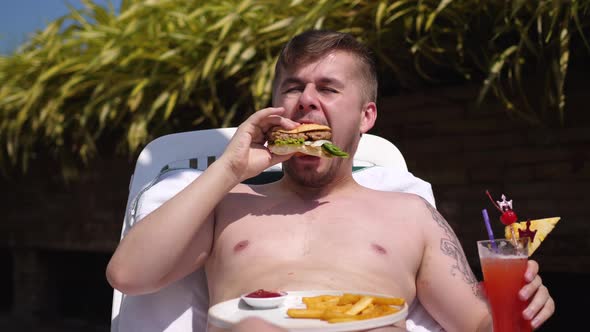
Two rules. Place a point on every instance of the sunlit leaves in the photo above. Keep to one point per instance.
(496, 41)
(168, 65)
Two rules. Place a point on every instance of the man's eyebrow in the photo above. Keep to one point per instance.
(291, 80)
(329, 80)
(323, 80)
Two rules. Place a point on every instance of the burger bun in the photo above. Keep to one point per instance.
(316, 151)
(305, 128)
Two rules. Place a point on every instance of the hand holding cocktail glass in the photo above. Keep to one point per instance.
(504, 264)
(518, 299)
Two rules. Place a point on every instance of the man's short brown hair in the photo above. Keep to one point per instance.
(311, 45)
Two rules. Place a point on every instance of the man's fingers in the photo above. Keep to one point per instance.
(531, 288)
(270, 117)
(531, 271)
(544, 314)
(259, 118)
(276, 121)
(541, 307)
(538, 301)
(261, 122)
(265, 112)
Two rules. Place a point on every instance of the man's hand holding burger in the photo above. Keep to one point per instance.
(246, 154)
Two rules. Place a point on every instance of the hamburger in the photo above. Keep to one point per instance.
(309, 138)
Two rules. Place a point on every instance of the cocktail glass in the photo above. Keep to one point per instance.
(503, 263)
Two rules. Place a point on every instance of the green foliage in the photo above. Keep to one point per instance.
(95, 78)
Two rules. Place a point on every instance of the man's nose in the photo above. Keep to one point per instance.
(308, 100)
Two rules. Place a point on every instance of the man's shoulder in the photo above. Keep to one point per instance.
(408, 205)
(409, 198)
(242, 193)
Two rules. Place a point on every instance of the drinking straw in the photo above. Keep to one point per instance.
(486, 220)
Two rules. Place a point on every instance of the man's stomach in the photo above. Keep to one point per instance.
(290, 276)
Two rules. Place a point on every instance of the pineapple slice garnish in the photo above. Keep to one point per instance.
(538, 229)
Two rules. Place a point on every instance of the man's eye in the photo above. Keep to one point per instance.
(326, 89)
(293, 89)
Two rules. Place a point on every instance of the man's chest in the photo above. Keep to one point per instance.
(324, 235)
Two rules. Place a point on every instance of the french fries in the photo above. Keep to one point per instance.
(346, 307)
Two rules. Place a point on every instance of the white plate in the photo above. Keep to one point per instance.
(228, 313)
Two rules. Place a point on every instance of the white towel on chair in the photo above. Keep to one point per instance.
(182, 306)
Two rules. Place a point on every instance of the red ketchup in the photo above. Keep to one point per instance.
(263, 294)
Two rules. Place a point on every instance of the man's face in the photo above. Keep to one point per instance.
(329, 92)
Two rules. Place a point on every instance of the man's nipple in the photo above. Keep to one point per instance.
(379, 249)
(241, 245)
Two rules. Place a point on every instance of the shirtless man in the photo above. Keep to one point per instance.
(316, 228)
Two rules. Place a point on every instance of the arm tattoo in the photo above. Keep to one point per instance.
(451, 247)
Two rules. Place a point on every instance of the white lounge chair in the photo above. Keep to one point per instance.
(183, 306)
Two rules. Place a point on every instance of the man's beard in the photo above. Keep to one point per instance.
(308, 177)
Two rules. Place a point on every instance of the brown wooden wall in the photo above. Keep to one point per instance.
(54, 235)
(462, 152)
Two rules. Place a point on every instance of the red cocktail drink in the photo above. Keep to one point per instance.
(503, 267)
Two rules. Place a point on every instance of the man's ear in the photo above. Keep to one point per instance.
(368, 117)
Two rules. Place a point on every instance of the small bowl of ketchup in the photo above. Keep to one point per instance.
(264, 299)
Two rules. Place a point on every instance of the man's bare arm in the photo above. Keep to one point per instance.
(446, 286)
(173, 240)
(176, 238)
(450, 246)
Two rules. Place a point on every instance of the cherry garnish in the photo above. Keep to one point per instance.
(508, 217)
